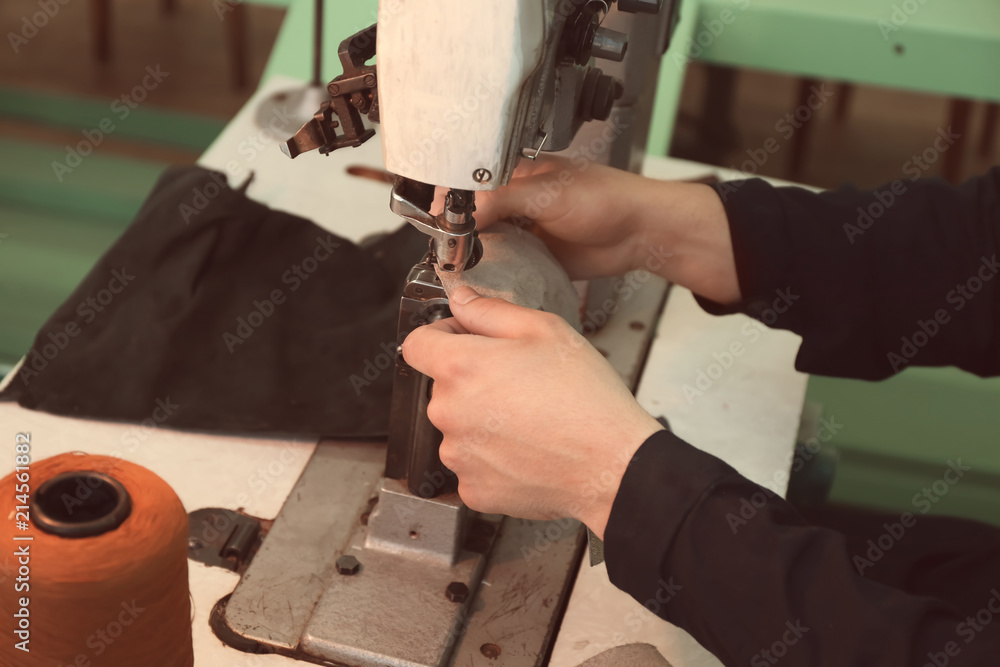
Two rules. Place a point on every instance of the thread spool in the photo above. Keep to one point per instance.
(108, 582)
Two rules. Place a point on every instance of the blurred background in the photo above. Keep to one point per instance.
(68, 65)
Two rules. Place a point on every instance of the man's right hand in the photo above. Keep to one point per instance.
(600, 221)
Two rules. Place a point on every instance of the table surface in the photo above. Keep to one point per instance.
(749, 416)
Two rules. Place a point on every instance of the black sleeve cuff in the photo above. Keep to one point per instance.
(759, 244)
(665, 479)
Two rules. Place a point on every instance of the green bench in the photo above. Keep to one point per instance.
(53, 232)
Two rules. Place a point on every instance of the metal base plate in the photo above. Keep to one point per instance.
(394, 610)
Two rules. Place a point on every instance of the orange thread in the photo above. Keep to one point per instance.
(119, 599)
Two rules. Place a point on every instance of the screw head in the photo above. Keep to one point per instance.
(194, 544)
(370, 80)
(457, 592)
(482, 175)
(348, 565)
(333, 89)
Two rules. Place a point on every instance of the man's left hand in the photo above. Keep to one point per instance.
(536, 423)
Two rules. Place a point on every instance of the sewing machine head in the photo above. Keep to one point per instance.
(463, 91)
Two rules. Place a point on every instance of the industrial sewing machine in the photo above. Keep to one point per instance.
(374, 559)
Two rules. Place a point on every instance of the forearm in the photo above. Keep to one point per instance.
(682, 234)
(872, 281)
(735, 566)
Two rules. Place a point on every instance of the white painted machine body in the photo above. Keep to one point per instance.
(453, 77)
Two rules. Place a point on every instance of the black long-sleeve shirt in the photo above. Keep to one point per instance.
(904, 275)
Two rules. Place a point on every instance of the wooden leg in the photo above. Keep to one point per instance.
(844, 97)
(235, 21)
(716, 129)
(800, 140)
(990, 121)
(100, 28)
(958, 119)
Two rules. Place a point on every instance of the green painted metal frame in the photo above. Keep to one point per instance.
(899, 435)
(948, 48)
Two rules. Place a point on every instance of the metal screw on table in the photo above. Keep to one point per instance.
(457, 592)
(348, 565)
(491, 651)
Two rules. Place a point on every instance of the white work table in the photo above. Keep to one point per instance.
(748, 415)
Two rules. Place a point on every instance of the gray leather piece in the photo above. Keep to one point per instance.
(629, 655)
(517, 267)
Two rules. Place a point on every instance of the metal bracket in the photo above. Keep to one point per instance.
(413, 441)
(352, 94)
(405, 599)
(454, 238)
(223, 538)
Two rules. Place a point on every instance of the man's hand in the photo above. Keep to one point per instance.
(600, 221)
(585, 215)
(536, 423)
